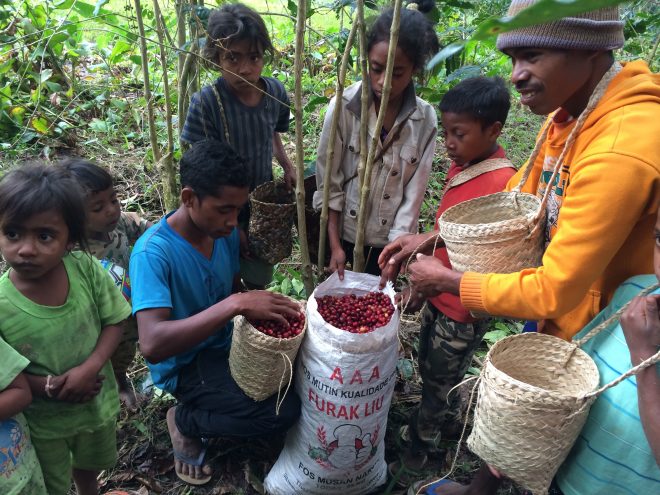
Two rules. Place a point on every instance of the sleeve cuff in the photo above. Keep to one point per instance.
(336, 201)
(471, 290)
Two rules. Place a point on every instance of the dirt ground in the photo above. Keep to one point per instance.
(146, 466)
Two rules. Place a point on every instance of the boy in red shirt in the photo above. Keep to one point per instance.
(473, 113)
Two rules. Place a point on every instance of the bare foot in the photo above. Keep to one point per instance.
(127, 394)
(188, 459)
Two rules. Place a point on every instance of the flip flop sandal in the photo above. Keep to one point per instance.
(430, 489)
(191, 461)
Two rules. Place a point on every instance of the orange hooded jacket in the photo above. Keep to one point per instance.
(607, 199)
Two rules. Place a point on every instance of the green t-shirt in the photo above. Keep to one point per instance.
(57, 338)
(20, 473)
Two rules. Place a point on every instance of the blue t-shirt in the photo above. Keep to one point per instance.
(168, 272)
(612, 455)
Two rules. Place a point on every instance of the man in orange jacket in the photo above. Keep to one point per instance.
(602, 207)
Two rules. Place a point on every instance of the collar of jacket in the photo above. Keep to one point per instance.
(409, 109)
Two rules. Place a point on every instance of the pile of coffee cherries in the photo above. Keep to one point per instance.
(277, 330)
(356, 314)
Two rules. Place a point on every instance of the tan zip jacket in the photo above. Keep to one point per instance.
(399, 178)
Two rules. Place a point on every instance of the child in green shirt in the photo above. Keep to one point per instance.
(62, 312)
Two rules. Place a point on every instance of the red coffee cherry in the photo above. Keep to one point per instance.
(278, 330)
(356, 314)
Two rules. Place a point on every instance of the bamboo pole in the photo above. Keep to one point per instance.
(167, 161)
(364, 99)
(182, 103)
(358, 252)
(307, 276)
(153, 136)
(330, 154)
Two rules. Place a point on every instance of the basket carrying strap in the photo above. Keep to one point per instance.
(615, 317)
(476, 170)
(595, 97)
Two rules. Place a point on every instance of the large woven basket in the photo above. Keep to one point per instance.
(260, 364)
(535, 392)
(499, 233)
(531, 406)
(272, 211)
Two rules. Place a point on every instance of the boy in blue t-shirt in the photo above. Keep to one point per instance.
(184, 272)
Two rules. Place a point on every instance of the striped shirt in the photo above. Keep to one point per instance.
(250, 128)
(612, 455)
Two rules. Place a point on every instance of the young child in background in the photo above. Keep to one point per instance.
(243, 109)
(20, 473)
(405, 152)
(472, 113)
(61, 311)
(111, 234)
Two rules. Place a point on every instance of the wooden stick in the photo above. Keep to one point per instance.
(365, 184)
(307, 275)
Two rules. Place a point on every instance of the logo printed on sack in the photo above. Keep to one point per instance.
(349, 449)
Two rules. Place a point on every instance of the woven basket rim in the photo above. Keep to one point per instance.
(273, 184)
(250, 329)
(446, 217)
(489, 366)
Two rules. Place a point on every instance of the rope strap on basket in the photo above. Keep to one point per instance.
(615, 317)
(594, 99)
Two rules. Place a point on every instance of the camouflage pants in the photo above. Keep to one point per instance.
(446, 348)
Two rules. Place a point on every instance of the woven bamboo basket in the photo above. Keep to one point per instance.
(503, 232)
(531, 406)
(272, 211)
(535, 392)
(499, 233)
(260, 364)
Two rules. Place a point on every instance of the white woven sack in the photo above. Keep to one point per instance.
(345, 382)
(260, 364)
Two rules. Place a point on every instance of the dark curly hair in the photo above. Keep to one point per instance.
(210, 164)
(91, 177)
(234, 22)
(35, 188)
(417, 37)
(485, 99)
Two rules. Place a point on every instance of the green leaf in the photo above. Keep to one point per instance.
(99, 4)
(40, 125)
(445, 53)
(118, 50)
(405, 368)
(286, 286)
(44, 75)
(539, 13)
(63, 4)
(99, 125)
(298, 286)
(495, 335)
(53, 87)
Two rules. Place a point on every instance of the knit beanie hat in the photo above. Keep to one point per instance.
(600, 29)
